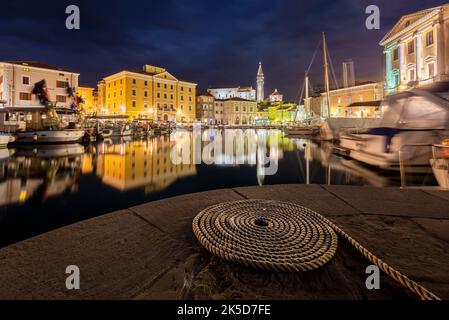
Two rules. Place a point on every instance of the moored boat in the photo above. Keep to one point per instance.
(50, 136)
(413, 121)
(5, 138)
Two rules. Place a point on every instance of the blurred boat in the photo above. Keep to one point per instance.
(50, 151)
(440, 163)
(5, 138)
(50, 136)
(414, 120)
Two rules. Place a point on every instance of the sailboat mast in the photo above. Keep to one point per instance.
(307, 86)
(326, 75)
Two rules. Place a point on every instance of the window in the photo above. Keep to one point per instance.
(145, 83)
(165, 96)
(244, 109)
(134, 103)
(158, 95)
(429, 38)
(134, 92)
(165, 86)
(236, 109)
(190, 108)
(411, 47)
(26, 80)
(158, 85)
(60, 98)
(182, 98)
(171, 87)
(190, 89)
(61, 84)
(25, 96)
(396, 54)
(171, 96)
(134, 81)
(145, 93)
(182, 88)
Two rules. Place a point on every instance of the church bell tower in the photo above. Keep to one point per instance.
(260, 84)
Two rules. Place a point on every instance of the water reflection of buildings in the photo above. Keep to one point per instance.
(39, 173)
(147, 163)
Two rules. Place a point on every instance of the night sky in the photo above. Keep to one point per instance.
(212, 43)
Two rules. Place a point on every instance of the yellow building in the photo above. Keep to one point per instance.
(360, 101)
(152, 93)
(87, 94)
(238, 111)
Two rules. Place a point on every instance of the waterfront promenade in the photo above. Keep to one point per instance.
(149, 251)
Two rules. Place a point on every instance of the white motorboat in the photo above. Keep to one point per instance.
(414, 120)
(5, 138)
(50, 136)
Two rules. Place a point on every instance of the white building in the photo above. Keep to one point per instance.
(276, 96)
(247, 93)
(17, 79)
(417, 50)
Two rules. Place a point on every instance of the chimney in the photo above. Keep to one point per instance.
(348, 73)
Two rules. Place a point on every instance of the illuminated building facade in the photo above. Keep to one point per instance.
(87, 94)
(152, 93)
(360, 101)
(17, 79)
(417, 49)
(205, 108)
(239, 111)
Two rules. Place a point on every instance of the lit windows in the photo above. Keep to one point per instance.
(61, 84)
(429, 38)
(411, 47)
(25, 96)
(60, 98)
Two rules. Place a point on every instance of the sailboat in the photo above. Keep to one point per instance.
(313, 127)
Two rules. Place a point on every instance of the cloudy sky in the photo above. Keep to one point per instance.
(209, 42)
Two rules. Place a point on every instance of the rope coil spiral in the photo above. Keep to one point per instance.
(281, 237)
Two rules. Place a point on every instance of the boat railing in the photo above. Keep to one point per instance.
(402, 160)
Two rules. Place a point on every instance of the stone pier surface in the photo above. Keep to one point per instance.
(150, 252)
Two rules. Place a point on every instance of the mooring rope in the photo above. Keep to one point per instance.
(281, 237)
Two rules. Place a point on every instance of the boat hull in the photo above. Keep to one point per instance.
(5, 139)
(50, 136)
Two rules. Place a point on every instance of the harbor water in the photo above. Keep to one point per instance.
(49, 186)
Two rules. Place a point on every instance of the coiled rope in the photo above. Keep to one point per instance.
(281, 237)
